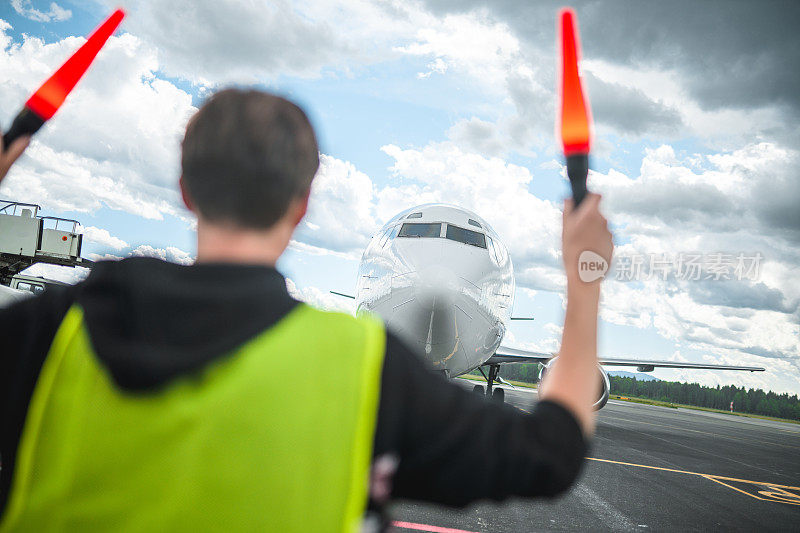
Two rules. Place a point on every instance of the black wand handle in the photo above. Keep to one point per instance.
(578, 170)
(25, 123)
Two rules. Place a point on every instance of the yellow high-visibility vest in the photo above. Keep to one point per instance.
(275, 436)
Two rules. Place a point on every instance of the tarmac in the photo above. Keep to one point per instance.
(652, 468)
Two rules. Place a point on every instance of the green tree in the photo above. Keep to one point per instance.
(754, 401)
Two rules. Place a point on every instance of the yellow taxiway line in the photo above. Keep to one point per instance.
(778, 493)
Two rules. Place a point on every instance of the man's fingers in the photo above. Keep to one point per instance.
(589, 204)
(16, 149)
(7, 157)
(569, 205)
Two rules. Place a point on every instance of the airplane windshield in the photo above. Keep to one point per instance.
(420, 230)
(473, 238)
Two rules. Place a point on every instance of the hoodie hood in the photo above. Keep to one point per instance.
(150, 321)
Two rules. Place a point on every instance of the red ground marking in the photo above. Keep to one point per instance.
(426, 527)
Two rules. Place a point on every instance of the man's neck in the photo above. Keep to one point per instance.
(226, 244)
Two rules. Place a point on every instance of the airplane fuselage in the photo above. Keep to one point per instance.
(441, 279)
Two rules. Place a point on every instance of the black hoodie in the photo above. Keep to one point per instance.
(150, 321)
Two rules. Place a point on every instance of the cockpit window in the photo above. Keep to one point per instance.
(474, 223)
(415, 215)
(473, 238)
(411, 229)
(492, 249)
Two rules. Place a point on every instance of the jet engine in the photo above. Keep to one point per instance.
(603, 391)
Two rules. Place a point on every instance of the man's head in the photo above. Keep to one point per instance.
(248, 157)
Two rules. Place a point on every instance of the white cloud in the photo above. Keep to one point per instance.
(319, 250)
(470, 43)
(632, 99)
(170, 253)
(341, 213)
(438, 66)
(487, 54)
(55, 14)
(722, 127)
(103, 257)
(549, 344)
(115, 142)
(479, 136)
(102, 237)
(320, 299)
(707, 204)
(268, 40)
(264, 38)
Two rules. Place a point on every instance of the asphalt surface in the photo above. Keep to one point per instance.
(653, 469)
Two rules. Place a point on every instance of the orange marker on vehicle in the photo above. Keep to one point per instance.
(44, 103)
(575, 121)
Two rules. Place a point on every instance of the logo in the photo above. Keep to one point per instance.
(591, 266)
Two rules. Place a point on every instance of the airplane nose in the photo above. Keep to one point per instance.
(430, 303)
(435, 288)
(430, 318)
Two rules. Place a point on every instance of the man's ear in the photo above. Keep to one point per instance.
(301, 207)
(186, 200)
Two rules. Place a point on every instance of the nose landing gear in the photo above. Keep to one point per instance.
(499, 395)
(496, 394)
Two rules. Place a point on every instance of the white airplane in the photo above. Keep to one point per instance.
(441, 279)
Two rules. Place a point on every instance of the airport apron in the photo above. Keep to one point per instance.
(277, 436)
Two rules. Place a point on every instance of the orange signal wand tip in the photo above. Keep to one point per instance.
(574, 111)
(44, 103)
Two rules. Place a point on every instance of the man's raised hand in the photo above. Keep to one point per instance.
(584, 229)
(7, 157)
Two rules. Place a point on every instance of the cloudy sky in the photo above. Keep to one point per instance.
(696, 146)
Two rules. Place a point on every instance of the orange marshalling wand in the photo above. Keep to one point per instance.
(574, 124)
(44, 103)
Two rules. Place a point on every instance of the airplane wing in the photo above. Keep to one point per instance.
(514, 355)
(647, 366)
(343, 294)
(505, 355)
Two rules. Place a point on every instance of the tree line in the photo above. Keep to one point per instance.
(528, 373)
(754, 401)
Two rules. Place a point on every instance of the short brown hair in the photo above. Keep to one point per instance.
(246, 155)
